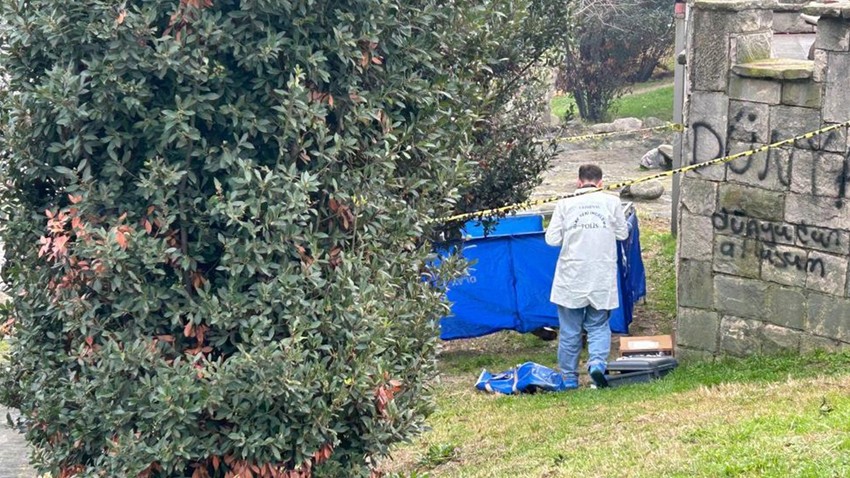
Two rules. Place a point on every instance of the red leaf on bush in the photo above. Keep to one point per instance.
(59, 248)
(323, 454)
(335, 259)
(198, 280)
(6, 328)
(45, 246)
(75, 199)
(187, 330)
(395, 386)
(305, 258)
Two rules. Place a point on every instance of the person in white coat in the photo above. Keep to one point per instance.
(586, 228)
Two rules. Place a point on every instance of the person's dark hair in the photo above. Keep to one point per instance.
(590, 173)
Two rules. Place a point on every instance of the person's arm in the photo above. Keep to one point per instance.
(621, 226)
(555, 231)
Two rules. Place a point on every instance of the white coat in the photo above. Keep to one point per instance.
(587, 228)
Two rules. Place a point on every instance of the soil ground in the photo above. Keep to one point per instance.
(619, 158)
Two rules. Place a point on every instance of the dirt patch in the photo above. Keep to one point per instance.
(619, 159)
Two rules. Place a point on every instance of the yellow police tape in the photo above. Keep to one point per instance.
(537, 202)
(585, 137)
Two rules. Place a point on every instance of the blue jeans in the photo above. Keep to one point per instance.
(595, 322)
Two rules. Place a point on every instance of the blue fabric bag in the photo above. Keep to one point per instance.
(529, 377)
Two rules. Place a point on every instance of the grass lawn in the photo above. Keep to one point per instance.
(779, 416)
(656, 102)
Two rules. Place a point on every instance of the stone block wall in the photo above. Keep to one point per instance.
(764, 241)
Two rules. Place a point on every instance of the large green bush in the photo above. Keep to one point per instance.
(217, 216)
(215, 213)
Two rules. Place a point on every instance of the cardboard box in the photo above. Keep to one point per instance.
(650, 345)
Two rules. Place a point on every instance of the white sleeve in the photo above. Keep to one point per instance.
(621, 227)
(555, 231)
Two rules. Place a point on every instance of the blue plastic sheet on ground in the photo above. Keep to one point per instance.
(510, 280)
(525, 378)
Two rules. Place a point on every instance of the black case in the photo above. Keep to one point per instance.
(637, 369)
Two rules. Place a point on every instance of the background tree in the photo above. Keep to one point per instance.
(216, 221)
(613, 45)
(509, 49)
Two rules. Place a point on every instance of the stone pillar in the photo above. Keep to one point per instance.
(764, 241)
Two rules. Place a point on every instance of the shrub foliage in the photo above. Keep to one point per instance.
(217, 215)
(214, 236)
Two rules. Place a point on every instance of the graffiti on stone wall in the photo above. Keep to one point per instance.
(768, 254)
(752, 228)
(707, 143)
(764, 236)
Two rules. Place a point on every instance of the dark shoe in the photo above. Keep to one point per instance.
(597, 374)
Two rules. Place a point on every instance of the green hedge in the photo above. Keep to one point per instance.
(215, 212)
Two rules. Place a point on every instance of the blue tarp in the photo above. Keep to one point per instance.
(525, 378)
(510, 280)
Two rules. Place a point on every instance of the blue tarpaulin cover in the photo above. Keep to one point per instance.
(510, 280)
(525, 378)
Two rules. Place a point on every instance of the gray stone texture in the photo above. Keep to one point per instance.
(689, 355)
(837, 109)
(707, 133)
(749, 47)
(646, 191)
(783, 264)
(816, 173)
(835, 141)
(737, 256)
(697, 328)
(750, 201)
(764, 240)
(826, 273)
(742, 6)
(740, 297)
(828, 9)
(790, 22)
(13, 450)
(709, 64)
(812, 343)
(786, 307)
(749, 122)
(820, 63)
(829, 316)
(802, 93)
(698, 196)
(740, 336)
(822, 239)
(695, 285)
(816, 210)
(767, 169)
(696, 237)
(755, 90)
(779, 339)
(789, 121)
(833, 35)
